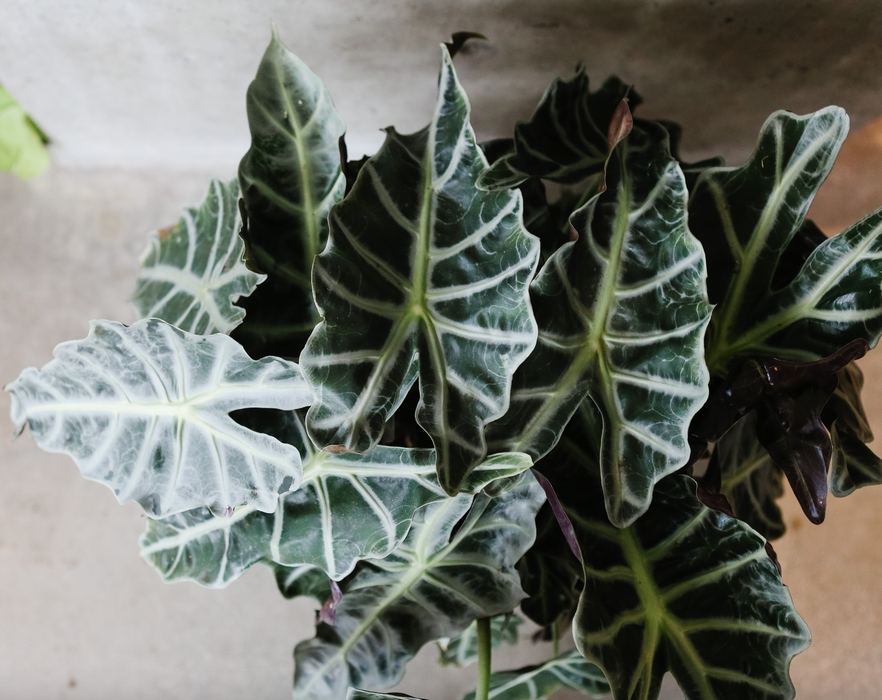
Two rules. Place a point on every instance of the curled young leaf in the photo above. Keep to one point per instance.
(569, 670)
(145, 411)
(192, 272)
(622, 313)
(456, 565)
(290, 178)
(566, 139)
(348, 507)
(423, 276)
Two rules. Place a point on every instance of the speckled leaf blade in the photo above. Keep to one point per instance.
(144, 410)
(750, 479)
(192, 272)
(745, 217)
(456, 565)
(621, 314)
(425, 276)
(290, 178)
(566, 138)
(569, 670)
(463, 650)
(349, 507)
(687, 590)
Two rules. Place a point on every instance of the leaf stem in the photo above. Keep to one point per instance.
(485, 652)
(555, 639)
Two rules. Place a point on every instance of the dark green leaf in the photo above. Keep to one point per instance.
(750, 479)
(456, 565)
(423, 276)
(290, 177)
(569, 670)
(746, 218)
(854, 464)
(294, 581)
(622, 313)
(686, 590)
(566, 138)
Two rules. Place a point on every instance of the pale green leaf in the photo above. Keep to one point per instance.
(463, 650)
(686, 590)
(566, 138)
(22, 145)
(570, 670)
(348, 507)
(192, 272)
(290, 177)
(456, 565)
(424, 276)
(622, 313)
(144, 410)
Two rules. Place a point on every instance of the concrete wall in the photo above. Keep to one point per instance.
(145, 100)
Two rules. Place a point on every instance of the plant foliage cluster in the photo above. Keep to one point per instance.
(440, 395)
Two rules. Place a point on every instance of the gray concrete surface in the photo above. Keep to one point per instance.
(161, 82)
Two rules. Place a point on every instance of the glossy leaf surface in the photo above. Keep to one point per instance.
(290, 178)
(425, 276)
(192, 272)
(747, 217)
(854, 464)
(570, 671)
(348, 507)
(750, 480)
(463, 650)
(144, 410)
(566, 138)
(689, 590)
(622, 313)
(456, 565)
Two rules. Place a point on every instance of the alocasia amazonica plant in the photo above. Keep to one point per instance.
(426, 395)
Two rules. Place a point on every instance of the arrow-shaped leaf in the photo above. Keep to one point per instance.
(569, 670)
(746, 218)
(686, 590)
(348, 507)
(423, 275)
(456, 565)
(463, 650)
(144, 410)
(290, 177)
(622, 313)
(566, 138)
(192, 272)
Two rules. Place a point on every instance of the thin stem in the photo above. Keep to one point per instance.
(482, 692)
(555, 639)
